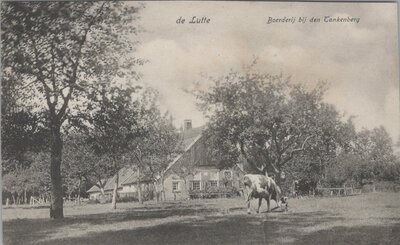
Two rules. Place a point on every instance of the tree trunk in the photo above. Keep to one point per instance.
(102, 191)
(115, 192)
(163, 188)
(157, 191)
(79, 192)
(278, 180)
(13, 197)
(138, 187)
(56, 206)
(25, 199)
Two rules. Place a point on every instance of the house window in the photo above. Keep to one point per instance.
(213, 183)
(228, 174)
(175, 186)
(196, 185)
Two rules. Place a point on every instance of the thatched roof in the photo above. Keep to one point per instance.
(127, 175)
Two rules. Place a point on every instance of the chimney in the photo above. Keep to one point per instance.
(187, 124)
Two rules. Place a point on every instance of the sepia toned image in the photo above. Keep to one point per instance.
(195, 122)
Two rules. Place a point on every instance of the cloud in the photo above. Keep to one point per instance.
(359, 61)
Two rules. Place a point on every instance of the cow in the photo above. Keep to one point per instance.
(260, 186)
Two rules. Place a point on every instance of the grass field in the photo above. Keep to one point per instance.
(366, 219)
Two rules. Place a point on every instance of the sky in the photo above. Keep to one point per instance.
(359, 61)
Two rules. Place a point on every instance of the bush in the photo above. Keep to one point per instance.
(388, 186)
(124, 197)
(391, 172)
(129, 198)
(93, 201)
(105, 198)
(215, 192)
(147, 194)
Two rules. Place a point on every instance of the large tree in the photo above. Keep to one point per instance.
(266, 119)
(59, 51)
(375, 147)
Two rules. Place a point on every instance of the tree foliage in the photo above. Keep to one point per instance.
(22, 132)
(34, 180)
(159, 141)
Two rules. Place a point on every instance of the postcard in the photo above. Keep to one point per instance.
(191, 122)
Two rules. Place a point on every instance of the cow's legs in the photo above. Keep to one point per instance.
(259, 204)
(278, 203)
(268, 203)
(248, 199)
(248, 205)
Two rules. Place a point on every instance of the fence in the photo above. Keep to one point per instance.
(344, 191)
(212, 194)
(382, 186)
(222, 191)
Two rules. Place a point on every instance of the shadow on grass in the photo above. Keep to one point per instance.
(214, 228)
(383, 234)
(27, 207)
(27, 231)
(292, 230)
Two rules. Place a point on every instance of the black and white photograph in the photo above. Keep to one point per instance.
(200, 122)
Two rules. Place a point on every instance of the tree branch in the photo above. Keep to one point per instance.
(295, 151)
(75, 63)
(277, 145)
(53, 70)
(40, 78)
(290, 143)
(64, 107)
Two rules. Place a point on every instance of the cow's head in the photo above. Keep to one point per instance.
(284, 203)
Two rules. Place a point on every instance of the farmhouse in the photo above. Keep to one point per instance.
(194, 172)
(190, 175)
(127, 185)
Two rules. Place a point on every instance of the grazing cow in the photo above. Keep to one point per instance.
(260, 186)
